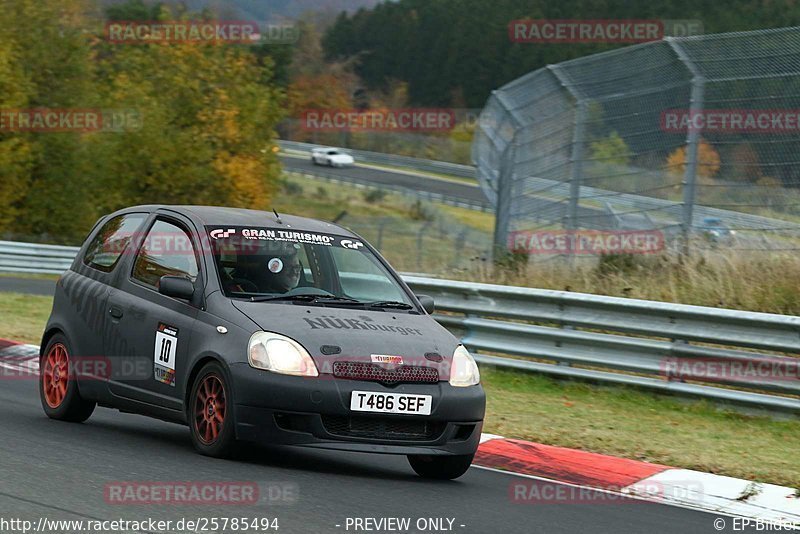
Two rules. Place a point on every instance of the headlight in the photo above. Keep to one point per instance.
(464, 371)
(280, 354)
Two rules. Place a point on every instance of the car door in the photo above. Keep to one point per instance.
(82, 294)
(150, 332)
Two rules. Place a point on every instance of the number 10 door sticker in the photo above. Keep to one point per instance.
(166, 348)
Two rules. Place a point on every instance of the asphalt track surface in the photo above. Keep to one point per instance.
(29, 286)
(373, 176)
(60, 471)
(590, 217)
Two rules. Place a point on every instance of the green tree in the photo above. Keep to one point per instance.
(49, 51)
(611, 150)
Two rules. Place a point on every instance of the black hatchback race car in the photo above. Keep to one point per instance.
(250, 326)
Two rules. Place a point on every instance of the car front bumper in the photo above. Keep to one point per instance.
(315, 412)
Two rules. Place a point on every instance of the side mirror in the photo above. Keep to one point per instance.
(427, 303)
(178, 287)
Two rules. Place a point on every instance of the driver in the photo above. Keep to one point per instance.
(283, 268)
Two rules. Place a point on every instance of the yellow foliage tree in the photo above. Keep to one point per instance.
(708, 161)
(15, 150)
(207, 127)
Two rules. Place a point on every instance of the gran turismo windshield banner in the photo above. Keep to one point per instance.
(254, 234)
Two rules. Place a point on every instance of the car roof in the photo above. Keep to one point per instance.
(222, 216)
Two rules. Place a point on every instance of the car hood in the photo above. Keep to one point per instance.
(359, 333)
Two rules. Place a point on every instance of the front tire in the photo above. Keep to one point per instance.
(440, 467)
(58, 387)
(211, 413)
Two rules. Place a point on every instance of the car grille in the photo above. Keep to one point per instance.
(382, 428)
(375, 373)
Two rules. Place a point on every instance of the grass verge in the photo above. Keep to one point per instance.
(23, 317)
(30, 276)
(759, 281)
(643, 426)
(611, 420)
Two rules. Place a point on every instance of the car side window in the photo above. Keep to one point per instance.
(167, 251)
(111, 241)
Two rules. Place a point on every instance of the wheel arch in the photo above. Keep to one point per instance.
(201, 362)
(48, 335)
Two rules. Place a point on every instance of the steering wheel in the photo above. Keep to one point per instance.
(309, 291)
(246, 286)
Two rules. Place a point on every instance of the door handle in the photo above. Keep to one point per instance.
(115, 312)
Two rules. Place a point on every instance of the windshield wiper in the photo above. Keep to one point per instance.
(307, 298)
(343, 301)
(389, 304)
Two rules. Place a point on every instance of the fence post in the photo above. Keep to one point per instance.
(381, 226)
(420, 244)
(697, 101)
(502, 218)
(576, 172)
(458, 251)
(576, 155)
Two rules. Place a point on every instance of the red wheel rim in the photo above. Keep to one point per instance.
(55, 375)
(209, 409)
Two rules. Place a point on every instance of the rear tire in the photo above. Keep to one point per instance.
(210, 413)
(58, 388)
(440, 467)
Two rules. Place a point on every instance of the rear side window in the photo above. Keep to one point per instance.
(167, 251)
(111, 241)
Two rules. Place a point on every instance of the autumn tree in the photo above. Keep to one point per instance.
(44, 63)
(207, 126)
(707, 160)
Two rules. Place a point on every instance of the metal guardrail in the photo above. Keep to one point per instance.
(590, 337)
(679, 349)
(18, 257)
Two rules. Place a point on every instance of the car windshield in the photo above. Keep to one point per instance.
(268, 264)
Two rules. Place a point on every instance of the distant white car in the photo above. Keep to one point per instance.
(332, 157)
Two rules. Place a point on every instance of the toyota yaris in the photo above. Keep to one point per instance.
(257, 327)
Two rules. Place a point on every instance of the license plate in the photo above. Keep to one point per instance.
(370, 401)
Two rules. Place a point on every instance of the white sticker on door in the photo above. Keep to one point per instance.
(164, 356)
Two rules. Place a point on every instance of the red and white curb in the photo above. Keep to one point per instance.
(641, 480)
(18, 358)
(581, 469)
